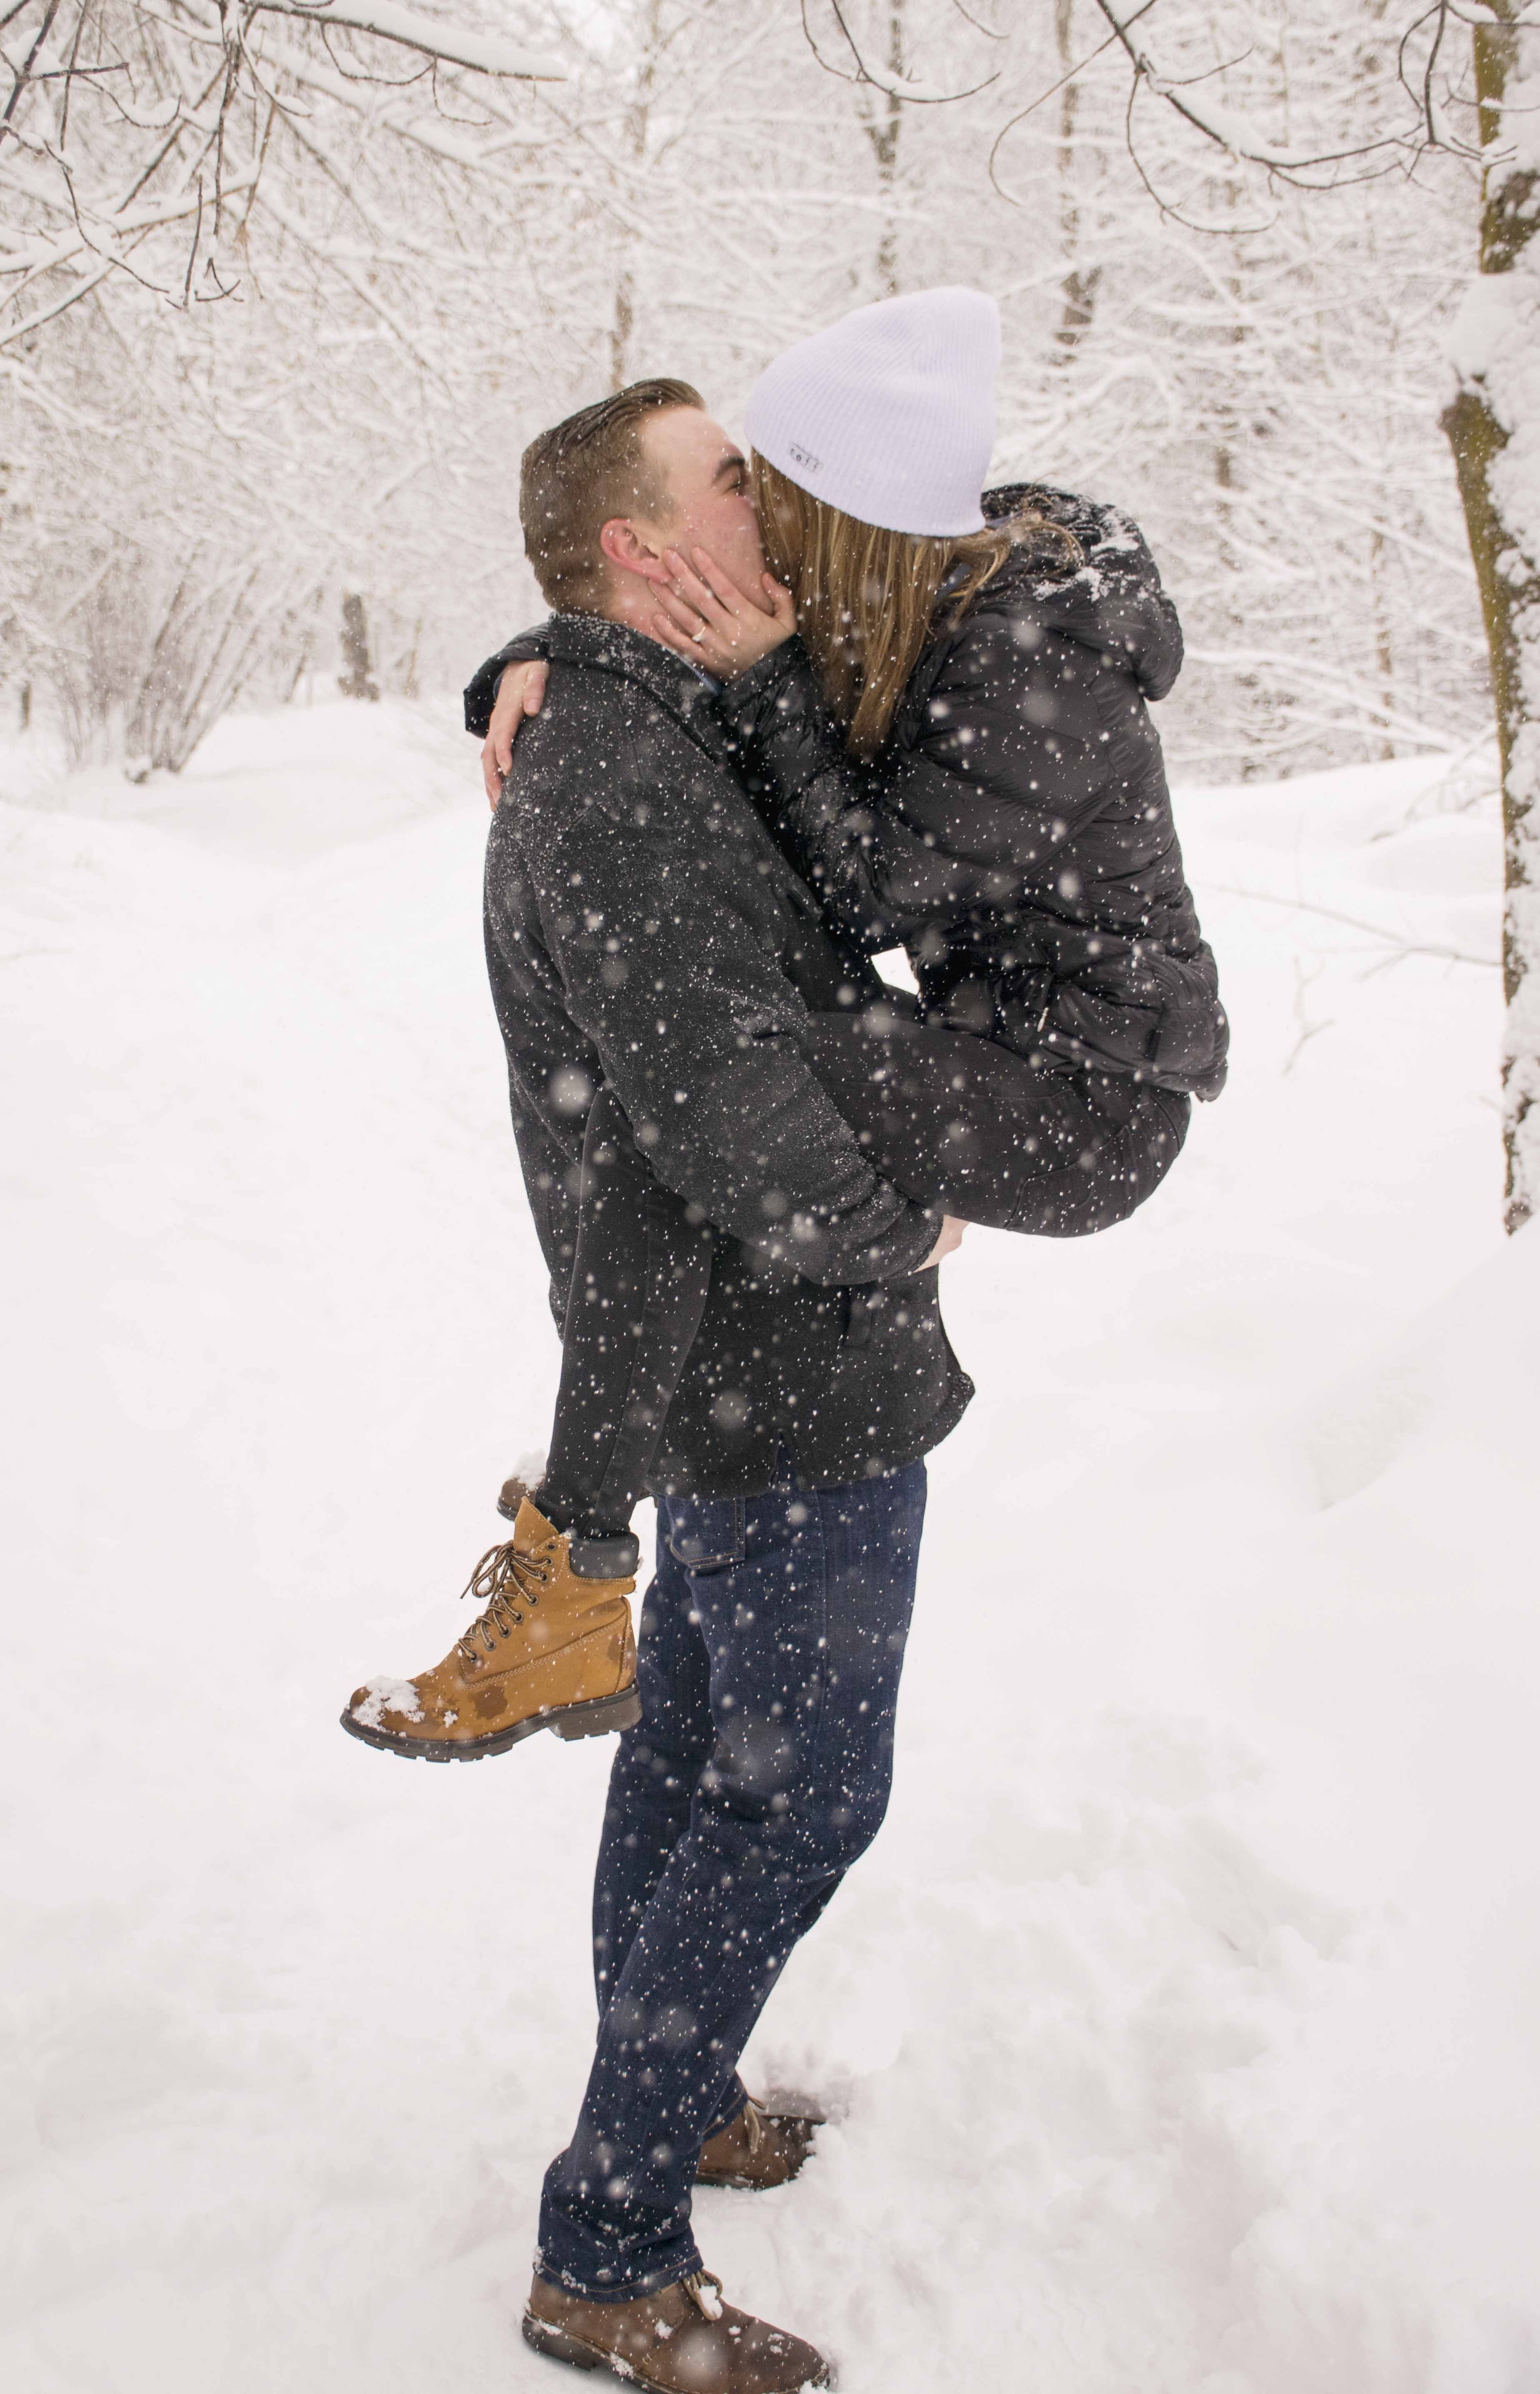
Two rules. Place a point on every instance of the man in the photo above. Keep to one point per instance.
(646, 942)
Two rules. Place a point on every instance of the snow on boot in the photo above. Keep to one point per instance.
(550, 1650)
(760, 2148)
(685, 2340)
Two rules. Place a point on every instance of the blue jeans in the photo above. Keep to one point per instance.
(771, 1644)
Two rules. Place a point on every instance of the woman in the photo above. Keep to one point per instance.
(945, 724)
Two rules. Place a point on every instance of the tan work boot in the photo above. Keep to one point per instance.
(607, 1556)
(551, 1651)
(685, 2340)
(759, 2148)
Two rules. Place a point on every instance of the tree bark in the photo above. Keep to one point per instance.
(1492, 424)
(1079, 287)
(882, 132)
(359, 680)
(623, 323)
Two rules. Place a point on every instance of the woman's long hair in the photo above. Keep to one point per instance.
(868, 599)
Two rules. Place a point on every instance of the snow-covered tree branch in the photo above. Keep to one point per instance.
(145, 137)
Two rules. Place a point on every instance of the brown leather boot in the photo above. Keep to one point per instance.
(685, 2340)
(551, 1651)
(759, 2148)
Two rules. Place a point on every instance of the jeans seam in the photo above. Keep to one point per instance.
(815, 1750)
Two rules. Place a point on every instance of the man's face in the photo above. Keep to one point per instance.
(706, 476)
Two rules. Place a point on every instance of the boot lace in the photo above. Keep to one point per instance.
(503, 1580)
(753, 2122)
(705, 2290)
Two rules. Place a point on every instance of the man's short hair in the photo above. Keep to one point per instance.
(581, 473)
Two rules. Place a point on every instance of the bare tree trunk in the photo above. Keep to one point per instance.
(409, 671)
(1384, 653)
(620, 329)
(1078, 288)
(624, 322)
(1384, 648)
(359, 680)
(882, 133)
(1493, 428)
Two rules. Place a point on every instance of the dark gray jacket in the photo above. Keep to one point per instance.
(1015, 834)
(644, 929)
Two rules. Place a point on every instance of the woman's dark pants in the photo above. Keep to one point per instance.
(772, 1642)
(956, 1121)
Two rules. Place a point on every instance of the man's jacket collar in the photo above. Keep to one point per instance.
(617, 649)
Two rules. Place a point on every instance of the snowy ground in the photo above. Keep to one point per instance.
(1182, 2025)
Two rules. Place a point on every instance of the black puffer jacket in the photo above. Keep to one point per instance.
(644, 929)
(1015, 834)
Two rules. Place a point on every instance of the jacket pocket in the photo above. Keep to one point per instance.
(860, 1313)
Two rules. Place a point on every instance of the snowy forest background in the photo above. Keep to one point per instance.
(1181, 2029)
(259, 358)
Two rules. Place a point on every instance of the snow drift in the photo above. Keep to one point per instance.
(1180, 2028)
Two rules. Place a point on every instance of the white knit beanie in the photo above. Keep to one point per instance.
(889, 414)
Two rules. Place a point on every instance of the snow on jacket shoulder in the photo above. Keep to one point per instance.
(1015, 834)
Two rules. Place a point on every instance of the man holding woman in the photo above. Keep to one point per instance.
(746, 1156)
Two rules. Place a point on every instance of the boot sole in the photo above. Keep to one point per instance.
(597, 1717)
(558, 2345)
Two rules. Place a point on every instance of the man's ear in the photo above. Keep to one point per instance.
(624, 547)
